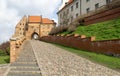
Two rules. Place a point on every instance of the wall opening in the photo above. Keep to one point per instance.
(35, 36)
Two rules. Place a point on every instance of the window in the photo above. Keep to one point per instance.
(71, 8)
(87, 0)
(64, 13)
(97, 6)
(77, 5)
(71, 18)
(88, 10)
(77, 15)
(60, 16)
(67, 11)
(108, 1)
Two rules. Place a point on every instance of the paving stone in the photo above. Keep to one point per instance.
(55, 61)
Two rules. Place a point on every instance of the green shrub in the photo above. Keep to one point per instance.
(2, 53)
(58, 29)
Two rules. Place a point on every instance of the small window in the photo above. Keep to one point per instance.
(97, 6)
(77, 15)
(71, 8)
(88, 10)
(77, 5)
(67, 11)
(60, 16)
(68, 20)
(64, 14)
(108, 1)
(71, 18)
(87, 0)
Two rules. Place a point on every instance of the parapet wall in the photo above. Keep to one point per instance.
(103, 16)
(103, 13)
(15, 46)
(108, 47)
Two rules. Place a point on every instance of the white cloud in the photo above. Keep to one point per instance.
(63, 4)
(11, 11)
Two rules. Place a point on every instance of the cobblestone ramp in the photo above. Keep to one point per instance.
(26, 64)
(54, 61)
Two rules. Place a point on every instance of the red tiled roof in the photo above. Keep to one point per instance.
(70, 1)
(46, 20)
(39, 19)
(34, 19)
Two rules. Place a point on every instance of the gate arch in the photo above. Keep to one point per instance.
(35, 36)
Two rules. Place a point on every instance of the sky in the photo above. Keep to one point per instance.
(11, 11)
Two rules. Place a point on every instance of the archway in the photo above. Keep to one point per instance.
(35, 36)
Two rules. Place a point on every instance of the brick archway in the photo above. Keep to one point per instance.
(35, 36)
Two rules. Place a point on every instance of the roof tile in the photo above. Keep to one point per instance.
(46, 20)
(35, 19)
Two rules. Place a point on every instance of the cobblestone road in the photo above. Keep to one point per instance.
(54, 61)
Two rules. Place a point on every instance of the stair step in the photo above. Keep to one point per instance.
(27, 65)
(24, 74)
(24, 63)
(27, 53)
(25, 69)
(25, 60)
(26, 56)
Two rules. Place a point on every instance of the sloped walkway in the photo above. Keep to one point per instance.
(54, 61)
(26, 64)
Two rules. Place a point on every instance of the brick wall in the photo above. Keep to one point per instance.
(109, 47)
(103, 16)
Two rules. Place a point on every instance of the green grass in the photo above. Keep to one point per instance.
(4, 59)
(109, 61)
(103, 31)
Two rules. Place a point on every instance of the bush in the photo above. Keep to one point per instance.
(71, 28)
(5, 47)
(2, 53)
(58, 29)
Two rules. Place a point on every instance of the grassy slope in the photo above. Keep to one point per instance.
(108, 61)
(103, 31)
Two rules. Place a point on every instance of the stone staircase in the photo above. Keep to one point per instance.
(26, 63)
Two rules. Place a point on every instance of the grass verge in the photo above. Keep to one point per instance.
(4, 59)
(109, 61)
